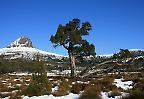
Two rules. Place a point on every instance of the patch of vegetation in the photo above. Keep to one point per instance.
(92, 92)
(40, 84)
(76, 88)
(16, 95)
(137, 92)
(17, 65)
(106, 83)
(135, 96)
(64, 88)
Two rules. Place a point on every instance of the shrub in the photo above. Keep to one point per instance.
(106, 83)
(40, 84)
(92, 92)
(135, 96)
(64, 89)
(33, 89)
(15, 96)
(76, 88)
(137, 92)
(4, 88)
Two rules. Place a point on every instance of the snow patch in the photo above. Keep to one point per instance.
(70, 96)
(123, 84)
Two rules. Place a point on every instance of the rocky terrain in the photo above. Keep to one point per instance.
(21, 42)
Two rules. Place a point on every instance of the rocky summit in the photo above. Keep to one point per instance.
(23, 41)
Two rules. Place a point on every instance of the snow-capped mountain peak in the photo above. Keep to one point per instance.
(23, 41)
(22, 48)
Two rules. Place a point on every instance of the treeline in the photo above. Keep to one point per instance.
(17, 65)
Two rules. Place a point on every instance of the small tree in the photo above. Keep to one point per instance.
(40, 84)
(125, 53)
(70, 36)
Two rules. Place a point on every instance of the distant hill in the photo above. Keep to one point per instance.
(123, 61)
(23, 48)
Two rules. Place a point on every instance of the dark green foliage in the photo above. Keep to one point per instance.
(17, 65)
(123, 54)
(40, 84)
(70, 37)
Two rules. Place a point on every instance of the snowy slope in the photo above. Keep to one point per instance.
(133, 51)
(23, 48)
(16, 52)
(105, 55)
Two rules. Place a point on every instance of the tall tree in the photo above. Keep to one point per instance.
(70, 36)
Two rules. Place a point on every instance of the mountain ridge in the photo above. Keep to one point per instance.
(22, 47)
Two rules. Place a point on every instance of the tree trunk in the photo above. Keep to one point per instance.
(73, 65)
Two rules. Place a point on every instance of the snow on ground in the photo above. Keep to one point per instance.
(6, 98)
(52, 73)
(119, 83)
(135, 50)
(70, 96)
(123, 84)
(55, 89)
(104, 95)
(81, 82)
(20, 74)
(25, 51)
(105, 55)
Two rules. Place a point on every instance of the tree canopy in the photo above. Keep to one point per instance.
(70, 36)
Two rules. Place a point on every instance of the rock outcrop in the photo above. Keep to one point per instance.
(21, 42)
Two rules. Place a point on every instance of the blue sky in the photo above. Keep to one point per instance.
(116, 23)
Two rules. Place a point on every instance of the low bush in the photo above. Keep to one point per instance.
(92, 92)
(64, 89)
(135, 96)
(33, 89)
(137, 92)
(15, 96)
(106, 83)
(76, 88)
(40, 85)
(37, 89)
